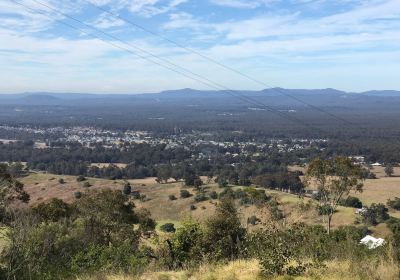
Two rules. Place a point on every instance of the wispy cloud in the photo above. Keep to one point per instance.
(150, 8)
(246, 4)
(283, 44)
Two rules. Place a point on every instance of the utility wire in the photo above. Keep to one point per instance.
(226, 67)
(207, 82)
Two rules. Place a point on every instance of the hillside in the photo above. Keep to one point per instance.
(43, 187)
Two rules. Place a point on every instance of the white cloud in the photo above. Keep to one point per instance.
(246, 4)
(149, 8)
(105, 21)
(275, 45)
(18, 18)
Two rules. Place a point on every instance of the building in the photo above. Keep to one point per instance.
(372, 242)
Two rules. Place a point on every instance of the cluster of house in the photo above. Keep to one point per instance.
(88, 136)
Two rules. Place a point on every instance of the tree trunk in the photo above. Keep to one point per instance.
(328, 224)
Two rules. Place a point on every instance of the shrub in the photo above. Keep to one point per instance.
(227, 193)
(375, 214)
(87, 185)
(146, 223)
(200, 197)
(277, 214)
(77, 195)
(213, 195)
(186, 244)
(168, 227)
(193, 180)
(279, 251)
(61, 181)
(80, 178)
(253, 220)
(53, 211)
(395, 203)
(127, 190)
(185, 194)
(222, 182)
(135, 194)
(224, 234)
(351, 201)
(197, 183)
(193, 207)
(172, 197)
(99, 236)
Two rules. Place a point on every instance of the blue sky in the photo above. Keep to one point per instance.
(351, 45)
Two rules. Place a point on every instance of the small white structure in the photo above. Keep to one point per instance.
(376, 164)
(360, 211)
(372, 242)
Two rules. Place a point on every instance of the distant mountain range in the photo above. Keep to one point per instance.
(273, 96)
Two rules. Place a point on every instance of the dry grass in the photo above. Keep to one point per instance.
(375, 191)
(379, 190)
(250, 270)
(42, 187)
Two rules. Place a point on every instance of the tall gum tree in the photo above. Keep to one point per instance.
(334, 179)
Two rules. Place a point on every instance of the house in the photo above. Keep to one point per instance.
(372, 242)
(376, 164)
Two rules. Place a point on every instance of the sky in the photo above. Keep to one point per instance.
(351, 45)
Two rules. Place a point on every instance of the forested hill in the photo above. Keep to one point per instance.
(275, 97)
(276, 112)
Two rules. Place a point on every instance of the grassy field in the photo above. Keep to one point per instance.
(375, 190)
(250, 270)
(42, 187)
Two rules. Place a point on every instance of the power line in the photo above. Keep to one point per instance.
(209, 82)
(226, 67)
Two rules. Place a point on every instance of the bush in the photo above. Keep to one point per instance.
(395, 203)
(227, 193)
(87, 185)
(127, 189)
(61, 181)
(279, 251)
(185, 194)
(222, 182)
(214, 195)
(277, 214)
(168, 227)
(80, 178)
(77, 195)
(186, 245)
(99, 236)
(53, 211)
(200, 197)
(146, 223)
(172, 197)
(253, 220)
(351, 201)
(197, 183)
(193, 207)
(375, 214)
(135, 194)
(224, 234)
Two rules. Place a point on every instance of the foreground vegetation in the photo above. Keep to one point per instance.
(250, 270)
(101, 234)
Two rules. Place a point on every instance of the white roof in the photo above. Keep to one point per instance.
(372, 242)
